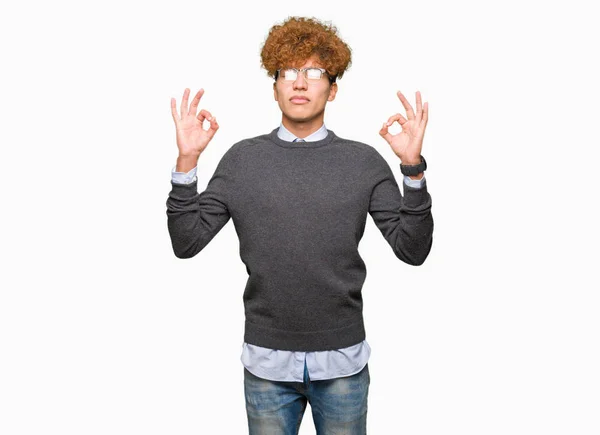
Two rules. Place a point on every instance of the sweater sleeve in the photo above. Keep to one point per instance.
(405, 221)
(193, 218)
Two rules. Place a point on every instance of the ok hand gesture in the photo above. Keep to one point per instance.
(192, 139)
(408, 143)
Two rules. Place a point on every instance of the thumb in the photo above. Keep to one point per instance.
(385, 133)
(214, 126)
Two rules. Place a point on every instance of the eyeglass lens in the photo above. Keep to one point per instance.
(309, 73)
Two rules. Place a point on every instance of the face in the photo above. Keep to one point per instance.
(307, 114)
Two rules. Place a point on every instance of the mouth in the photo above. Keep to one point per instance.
(299, 100)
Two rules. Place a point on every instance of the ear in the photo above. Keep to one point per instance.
(332, 91)
(275, 91)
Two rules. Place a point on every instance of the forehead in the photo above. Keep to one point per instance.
(311, 61)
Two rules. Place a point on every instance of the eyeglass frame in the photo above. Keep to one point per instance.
(303, 71)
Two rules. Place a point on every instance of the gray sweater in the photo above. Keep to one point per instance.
(299, 210)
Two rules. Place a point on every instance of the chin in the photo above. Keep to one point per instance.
(301, 115)
(300, 118)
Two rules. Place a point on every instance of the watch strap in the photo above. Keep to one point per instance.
(414, 169)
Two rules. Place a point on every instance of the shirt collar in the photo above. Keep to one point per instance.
(284, 134)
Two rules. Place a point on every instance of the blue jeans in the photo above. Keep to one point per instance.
(339, 406)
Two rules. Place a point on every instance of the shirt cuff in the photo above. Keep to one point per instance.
(417, 184)
(183, 177)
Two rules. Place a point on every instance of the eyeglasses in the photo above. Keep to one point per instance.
(312, 74)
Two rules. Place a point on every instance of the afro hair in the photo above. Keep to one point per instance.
(298, 39)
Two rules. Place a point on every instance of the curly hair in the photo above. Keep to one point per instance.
(299, 38)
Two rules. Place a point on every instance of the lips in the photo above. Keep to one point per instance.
(299, 99)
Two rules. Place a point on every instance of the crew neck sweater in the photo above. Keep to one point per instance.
(289, 365)
(299, 210)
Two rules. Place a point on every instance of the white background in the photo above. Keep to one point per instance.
(104, 331)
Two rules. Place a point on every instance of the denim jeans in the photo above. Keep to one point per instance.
(339, 406)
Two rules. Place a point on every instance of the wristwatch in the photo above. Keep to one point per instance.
(414, 169)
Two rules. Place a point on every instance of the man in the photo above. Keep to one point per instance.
(299, 197)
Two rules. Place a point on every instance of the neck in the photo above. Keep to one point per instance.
(302, 129)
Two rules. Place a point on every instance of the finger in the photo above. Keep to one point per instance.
(425, 115)
(204, 114)
(407, 106)
(383, 132)
(397, 117)
(195, 102)
(419, 106)
(174, 111)
(184, 103)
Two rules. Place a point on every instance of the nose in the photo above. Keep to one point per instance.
(300, 82)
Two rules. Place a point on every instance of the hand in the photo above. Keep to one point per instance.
(408, 143)
(192, 139)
